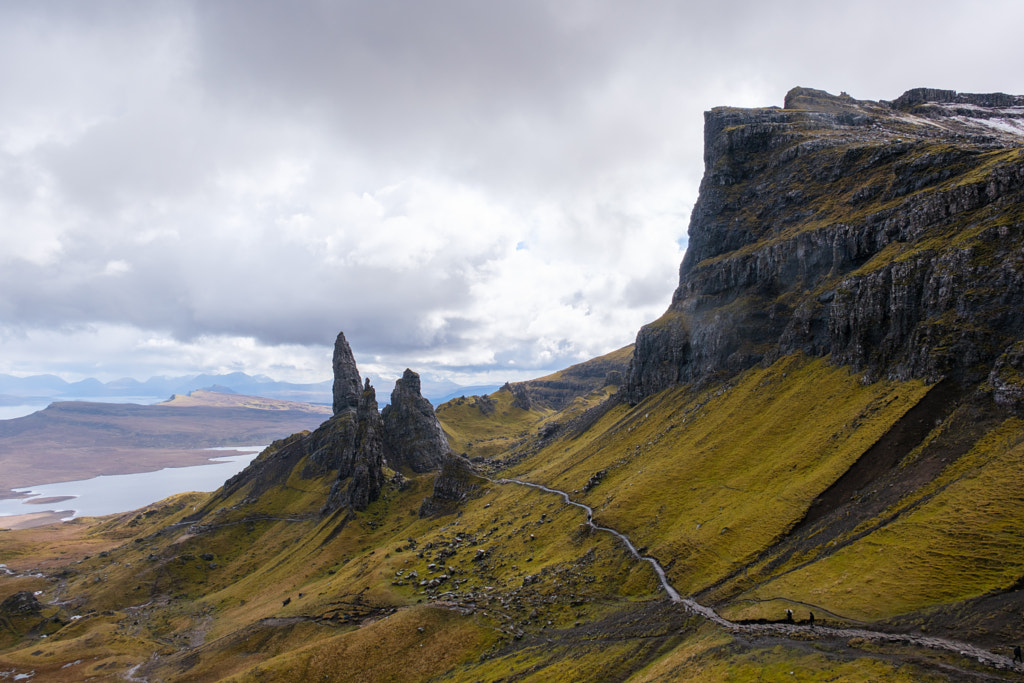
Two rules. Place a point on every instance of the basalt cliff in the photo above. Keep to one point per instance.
(886, 236)
(807, 469)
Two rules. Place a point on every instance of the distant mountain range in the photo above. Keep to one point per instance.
(43, 389)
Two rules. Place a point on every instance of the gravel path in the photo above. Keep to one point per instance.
(964, 649)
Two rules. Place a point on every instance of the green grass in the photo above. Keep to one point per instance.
(707, 482)
(957, 538)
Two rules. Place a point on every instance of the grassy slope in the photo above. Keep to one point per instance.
(492, 427)
(707, 482)
(243, 595)
(956, 538)
(490, 430)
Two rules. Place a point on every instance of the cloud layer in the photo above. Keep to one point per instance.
(483, 191)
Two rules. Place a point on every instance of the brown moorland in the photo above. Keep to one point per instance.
(72, 440)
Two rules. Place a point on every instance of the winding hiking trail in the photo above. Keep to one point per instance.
(964, 649)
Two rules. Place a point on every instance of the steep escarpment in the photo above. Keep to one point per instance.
(885, 235)
(558, 390)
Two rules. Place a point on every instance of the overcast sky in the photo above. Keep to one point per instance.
(477, 189)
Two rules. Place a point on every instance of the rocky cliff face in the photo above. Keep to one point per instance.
(887, 235)
(413, 435)
(357, 443)
(361, 471)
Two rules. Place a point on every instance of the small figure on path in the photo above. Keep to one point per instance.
(1017, 655)
(789, 616)
(812, 618)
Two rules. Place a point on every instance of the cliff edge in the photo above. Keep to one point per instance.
(885, 235)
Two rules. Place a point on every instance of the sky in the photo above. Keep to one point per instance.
(479, 190)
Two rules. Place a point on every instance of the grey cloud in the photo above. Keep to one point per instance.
(212, 124)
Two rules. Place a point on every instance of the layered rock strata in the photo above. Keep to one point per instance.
(886, 235)
(361, 471)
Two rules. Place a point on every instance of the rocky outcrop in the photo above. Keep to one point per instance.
(520, 395)
(414, 437)
(1007, 378)
(361, 471)
(20, 604)
(453, 485)
(356, 444)
(347, 389)
(887, 236)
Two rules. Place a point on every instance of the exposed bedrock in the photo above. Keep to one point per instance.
(356, 444)
(888, 236)
(347, 387)
(413, 435)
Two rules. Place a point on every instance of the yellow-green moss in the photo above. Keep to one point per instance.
(707, 482)
(959, 537)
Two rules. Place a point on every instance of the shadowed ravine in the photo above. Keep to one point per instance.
(964, 649)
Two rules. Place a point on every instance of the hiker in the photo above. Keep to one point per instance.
(1017, 657)
(789, 616)
(812, 618)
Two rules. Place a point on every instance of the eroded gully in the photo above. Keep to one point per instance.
(964, 649)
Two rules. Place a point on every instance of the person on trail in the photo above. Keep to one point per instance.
(812, 618)
(1017, 655)
(789, 616)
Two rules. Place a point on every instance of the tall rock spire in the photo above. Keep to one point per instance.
(413, 435)
(347, 386)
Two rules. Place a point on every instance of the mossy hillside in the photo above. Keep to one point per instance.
(957, 538)
(522, 533)
(182, 557)
(707, 482)
(273, 574)
(485, 426)
(564, 658)
(94, 647)
(56, 545)
(590, 571)
(239, 651)
(413, 645)
(711, 655)
(84, 640)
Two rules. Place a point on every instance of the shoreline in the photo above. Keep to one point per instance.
(33, 519)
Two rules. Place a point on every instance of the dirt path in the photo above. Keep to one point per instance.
(787, 630)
